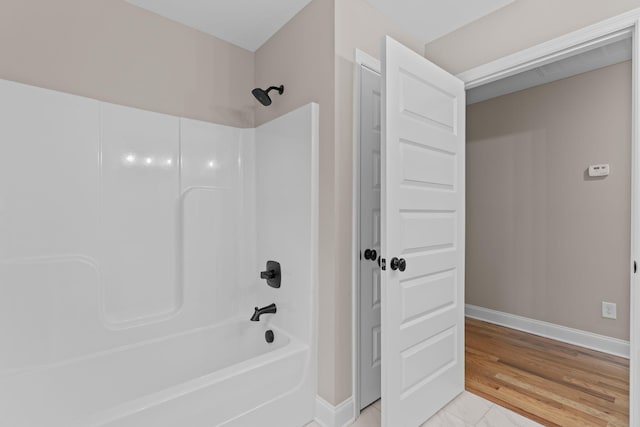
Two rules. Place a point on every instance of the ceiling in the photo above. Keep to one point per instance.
(245, 23)
(428, 20)
(250, 23)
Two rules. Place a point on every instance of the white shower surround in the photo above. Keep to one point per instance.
(130, 248)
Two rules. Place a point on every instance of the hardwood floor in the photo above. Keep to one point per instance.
(553, 383)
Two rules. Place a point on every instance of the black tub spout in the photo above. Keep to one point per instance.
(264, 310)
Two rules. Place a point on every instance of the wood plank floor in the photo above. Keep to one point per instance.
(553, 383)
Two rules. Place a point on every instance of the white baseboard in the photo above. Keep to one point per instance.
(590, 340)
(328, 415)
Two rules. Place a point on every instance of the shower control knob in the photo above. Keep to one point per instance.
(273, 274)
(370, 254)
(269, 274)
(398, 264)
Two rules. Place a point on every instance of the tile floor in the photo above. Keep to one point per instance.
(467, 410)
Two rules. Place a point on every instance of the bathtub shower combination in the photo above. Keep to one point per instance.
(133, 256)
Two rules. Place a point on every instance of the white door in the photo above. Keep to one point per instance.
(370, 176)
(423, 124)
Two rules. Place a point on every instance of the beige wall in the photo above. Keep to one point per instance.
(116, 52)
(544, 240)
(358, 25)
(300, 56)
(520, 25)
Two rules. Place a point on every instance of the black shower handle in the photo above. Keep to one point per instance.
(272, 274)
(269, 274)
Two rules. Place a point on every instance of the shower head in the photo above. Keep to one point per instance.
(263, 95)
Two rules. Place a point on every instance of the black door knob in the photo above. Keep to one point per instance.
(398, 264)
(370, 254)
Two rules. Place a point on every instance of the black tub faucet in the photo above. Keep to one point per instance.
(264, 310)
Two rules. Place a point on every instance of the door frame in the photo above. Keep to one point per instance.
(361, 60)
(544, 53)
(562, 47)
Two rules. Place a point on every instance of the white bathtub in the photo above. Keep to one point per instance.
(226, 375)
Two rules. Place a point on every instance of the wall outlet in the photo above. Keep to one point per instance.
(609, 310)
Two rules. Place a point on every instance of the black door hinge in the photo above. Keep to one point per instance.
(635, 267)
(383, 263)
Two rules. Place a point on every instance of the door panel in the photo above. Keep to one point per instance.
(370, 279)
(422, 317)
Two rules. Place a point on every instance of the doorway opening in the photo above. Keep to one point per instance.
(605, 55)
